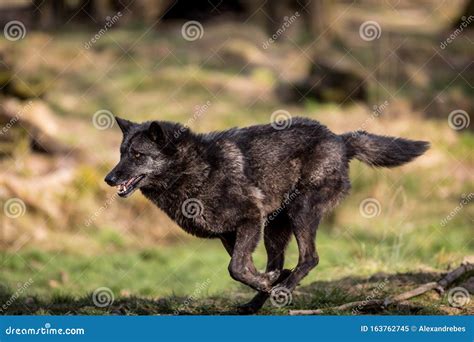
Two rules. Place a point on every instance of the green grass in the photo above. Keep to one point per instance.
(158, 280)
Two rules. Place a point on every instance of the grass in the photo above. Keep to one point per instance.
(324, 295)
(159, 280)
(142, 257)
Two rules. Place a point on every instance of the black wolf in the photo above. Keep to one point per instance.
(234, 184)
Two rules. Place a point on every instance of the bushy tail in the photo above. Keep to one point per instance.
(382, 151)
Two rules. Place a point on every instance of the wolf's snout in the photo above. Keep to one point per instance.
(111, 179)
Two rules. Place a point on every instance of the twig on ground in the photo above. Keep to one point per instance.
(440, 286)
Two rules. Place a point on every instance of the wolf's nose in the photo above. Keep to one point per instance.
(111, 180)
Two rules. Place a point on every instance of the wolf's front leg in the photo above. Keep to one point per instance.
(241, 267)
(277, 234)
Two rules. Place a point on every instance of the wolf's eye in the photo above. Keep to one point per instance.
(137, 155)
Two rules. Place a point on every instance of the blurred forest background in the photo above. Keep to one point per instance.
(402, 68)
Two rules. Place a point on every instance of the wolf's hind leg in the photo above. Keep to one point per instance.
(305, 216)
(277, 234)
(308, 257)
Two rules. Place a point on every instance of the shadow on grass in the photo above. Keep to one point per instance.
(318, 295)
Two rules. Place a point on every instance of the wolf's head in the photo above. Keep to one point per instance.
(146, 153)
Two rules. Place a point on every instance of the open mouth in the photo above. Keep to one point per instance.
(126, 188)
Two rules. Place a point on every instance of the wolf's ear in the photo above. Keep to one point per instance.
(156, 133)
(124, 125)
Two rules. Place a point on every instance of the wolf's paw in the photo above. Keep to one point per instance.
(254, 305)
(264, 286)
(277, 276)
(273, 276)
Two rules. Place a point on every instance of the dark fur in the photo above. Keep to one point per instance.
(250, 180)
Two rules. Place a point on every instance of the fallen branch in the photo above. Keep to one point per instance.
(440, 286)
